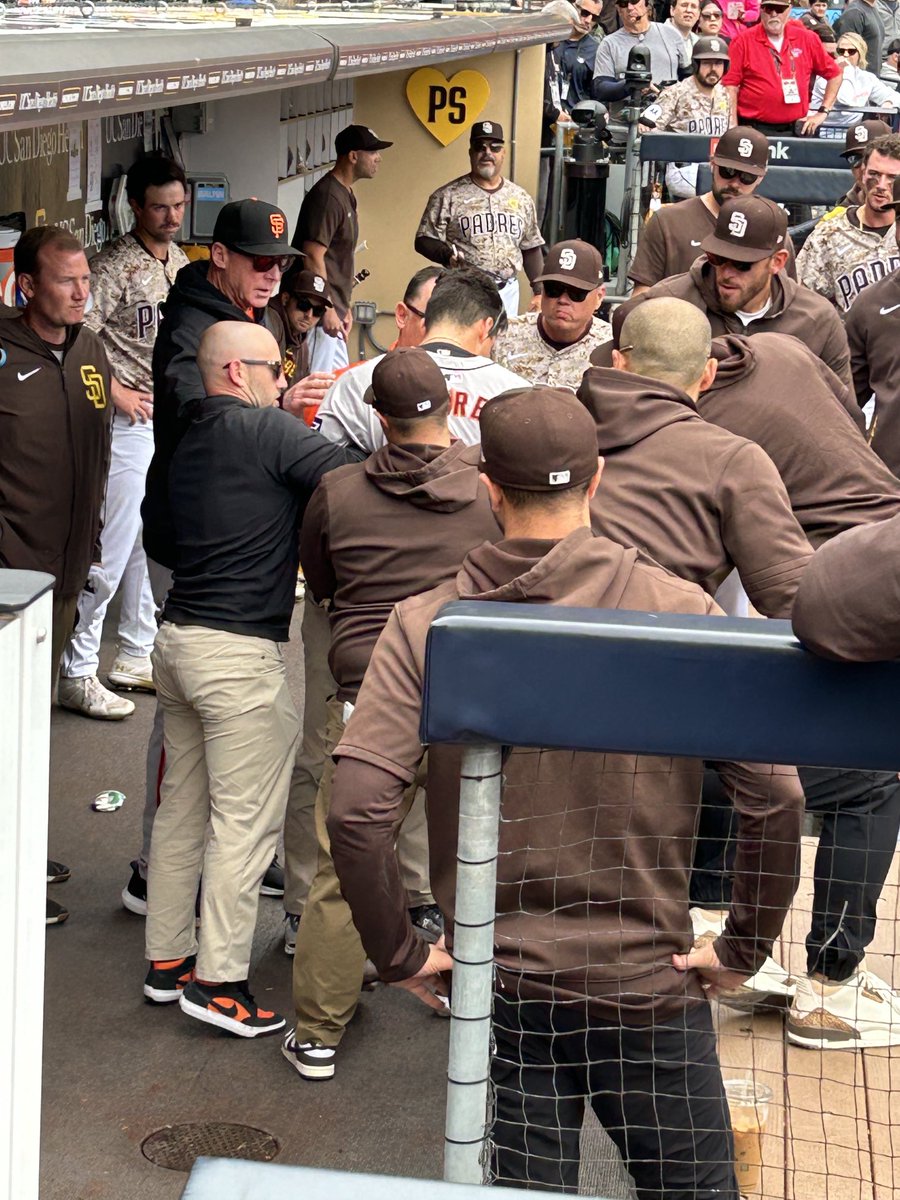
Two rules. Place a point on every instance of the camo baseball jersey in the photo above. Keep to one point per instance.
(523, 348)
(128, 286)
(686, 109)
(490, 228)
(840, 258)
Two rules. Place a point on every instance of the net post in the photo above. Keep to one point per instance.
(473, 965)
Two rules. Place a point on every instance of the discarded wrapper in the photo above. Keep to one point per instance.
(108, 801)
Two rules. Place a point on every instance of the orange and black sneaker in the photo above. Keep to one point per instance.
(229, 1006)
(166, 979)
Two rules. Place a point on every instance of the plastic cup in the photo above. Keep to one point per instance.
(748, 1103)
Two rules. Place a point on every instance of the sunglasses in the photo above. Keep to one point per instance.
(263, 263)
(628, 3)
(716, 260)
(306, 306)
(586, 12)
(417, 312)
(846, 51)
(480, 147)
(711, 14)
(774, 8)
(746, 177)
(554, 290)
(274, 364)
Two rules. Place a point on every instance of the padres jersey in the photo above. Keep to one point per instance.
(523, 349)
(840, 258)
(128, 286)
(686, 109)
(490, 228)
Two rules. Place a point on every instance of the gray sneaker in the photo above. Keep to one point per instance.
(88, 696)
(291, 924)
(132, 674)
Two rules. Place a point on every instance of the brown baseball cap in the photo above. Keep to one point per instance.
(407, 383)
(859, 136)
(575, 262)
(537, 439)
(713, 48)
(748, 229)
(308, 285)
(744, 149)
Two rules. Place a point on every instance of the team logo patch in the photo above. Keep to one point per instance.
(318, 283)
(715, 45)
(860, 134)
(737, 226)
(558, 477)
(745, 147)
(276, 223)
(94, 387)
(487, 127)
(423, 406)
(567, 259)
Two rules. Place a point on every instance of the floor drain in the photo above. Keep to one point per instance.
(176, 1146)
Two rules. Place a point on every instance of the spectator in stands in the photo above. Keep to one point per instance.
(239, 477)
(852, 248)
(569, 1013)
(890, 68)
(742, 287)
(374, 534)
(575, 57)
(684, 17)
(668, 54)
(773, 101)
(815, 18)
(861, 17)
(859, 88)
(698, 104)
(710, 22)
(553, 346)
(671, 239)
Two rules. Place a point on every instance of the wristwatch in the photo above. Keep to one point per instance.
(824, 110)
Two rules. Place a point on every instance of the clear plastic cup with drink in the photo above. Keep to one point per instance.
(748, 1103)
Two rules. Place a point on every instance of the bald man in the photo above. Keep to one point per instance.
(238, 483)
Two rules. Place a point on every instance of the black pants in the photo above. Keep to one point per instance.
(657, 1091)
(860, 823)
(770, 128)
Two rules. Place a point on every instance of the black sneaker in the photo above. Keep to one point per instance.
(166, 980)
(273, 881)
(312, 1060)
(229, 1006)
(429, 920)
(134, 893)
(56, 914)
(57, 872)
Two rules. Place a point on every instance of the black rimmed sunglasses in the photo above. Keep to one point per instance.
(746, 177)
(262, 263)
(554, 290)
(717, 260)
(274, 364)
(306, 305)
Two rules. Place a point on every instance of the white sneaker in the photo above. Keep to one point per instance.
(862, 1012)
(88, 696)
(708, 924)
(132, 674)
(771, 987)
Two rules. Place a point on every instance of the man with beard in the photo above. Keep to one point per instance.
(484, 220)
(300, 305)
(852, 248)
(741, 284)
(672, 238)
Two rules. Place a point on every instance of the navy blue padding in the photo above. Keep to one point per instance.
(650, 683)
(794, 185)
(783, 151)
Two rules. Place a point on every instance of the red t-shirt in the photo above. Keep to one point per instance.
(757, 70)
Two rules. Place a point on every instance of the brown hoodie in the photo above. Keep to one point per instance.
(390, 527)
(794, 309)
(595, 849)
(775, 392)
(695, 498)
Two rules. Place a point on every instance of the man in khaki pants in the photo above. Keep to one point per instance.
(237, 482)
(374, 533)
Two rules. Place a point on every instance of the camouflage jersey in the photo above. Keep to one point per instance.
(685, 109)
(490, 228)
(523, 349)
(840, 258)
(128, 286)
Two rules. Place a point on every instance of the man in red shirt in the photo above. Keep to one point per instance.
(773, 64)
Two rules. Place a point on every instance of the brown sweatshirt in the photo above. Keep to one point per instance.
(794, 309)
(873, 331)
(775, 392)
(55, 428)
(390, 527)
(595, 849)
(848, 602)
(696, 498)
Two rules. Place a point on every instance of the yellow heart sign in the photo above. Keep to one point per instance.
(447, 107)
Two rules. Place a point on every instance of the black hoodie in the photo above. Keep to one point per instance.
(192, 306)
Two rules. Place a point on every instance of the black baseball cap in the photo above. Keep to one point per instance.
(253, 227)
(743, 149)
(486, 131)
(358, 137)
(539, 439)
(575, 262)
(407, 383)
(748, 229)
(859, 135)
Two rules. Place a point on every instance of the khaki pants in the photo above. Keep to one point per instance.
(230, 737)
(300, 832)
(329, 960)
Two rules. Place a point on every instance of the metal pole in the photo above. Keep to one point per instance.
(556, 185)
(631, 205)
(473, 965)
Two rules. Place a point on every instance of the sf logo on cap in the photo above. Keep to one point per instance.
(318, 283)
(745, 147)
(276, 223)
(738, 224)
(567, 259)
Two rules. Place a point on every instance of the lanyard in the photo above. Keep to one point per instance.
(777, 60)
